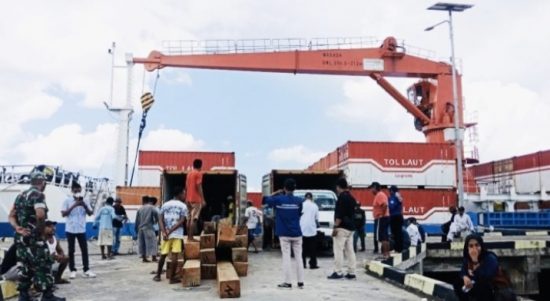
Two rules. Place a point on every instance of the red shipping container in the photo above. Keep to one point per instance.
(182, 161)
(481, 170)
(396, 154)
(387, 154)
(416, 202)
(255, 198)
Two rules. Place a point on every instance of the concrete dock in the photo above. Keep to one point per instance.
(127, 278)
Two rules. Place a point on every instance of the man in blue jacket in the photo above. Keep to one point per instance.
(288, 209)
(395, 204)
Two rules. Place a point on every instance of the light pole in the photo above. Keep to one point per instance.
(454, 7)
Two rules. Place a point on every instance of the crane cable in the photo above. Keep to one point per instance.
(143, 121)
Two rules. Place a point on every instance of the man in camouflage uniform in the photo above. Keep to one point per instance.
(27, 217)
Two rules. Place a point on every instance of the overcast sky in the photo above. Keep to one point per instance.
(56, 75)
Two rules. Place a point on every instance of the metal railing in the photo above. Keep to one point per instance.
(197, 47)
(20, 174)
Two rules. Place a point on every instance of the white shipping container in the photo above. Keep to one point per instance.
(532, 181)
(149, 176)
(437, 173)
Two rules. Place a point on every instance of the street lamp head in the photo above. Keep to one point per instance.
(450, 6)
(435, 25)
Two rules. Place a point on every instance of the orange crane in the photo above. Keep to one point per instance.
(430, 100)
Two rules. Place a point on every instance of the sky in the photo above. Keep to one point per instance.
(56, 76)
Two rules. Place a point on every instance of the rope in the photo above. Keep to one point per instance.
(142, 128)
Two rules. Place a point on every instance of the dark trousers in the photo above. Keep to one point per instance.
(375, 236)
(482, 290)
(117, 232)
(396, 225)
(81, 237)
(359, 234)
(309, 249)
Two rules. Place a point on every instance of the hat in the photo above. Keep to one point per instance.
(37, 175)
(374, 185)
(394, 188)
(50, 223)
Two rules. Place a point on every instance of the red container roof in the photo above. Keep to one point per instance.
(173, 160)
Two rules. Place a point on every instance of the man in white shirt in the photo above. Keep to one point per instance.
(414, 233)
(173, 215)
(75, 209)
(462, 224)
(253, 218)
(308, 224)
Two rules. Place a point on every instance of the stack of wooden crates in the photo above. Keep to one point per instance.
(201, 262)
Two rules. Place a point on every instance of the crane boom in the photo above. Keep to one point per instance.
(431, 103)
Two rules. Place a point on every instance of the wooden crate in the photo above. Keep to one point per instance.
(226, 235)
(191, 249)
(208, 256)
(208, 241)
(191, 273)
(209, 227)
(239, 255)
(242, 230)
(229, 285)
(208, 271)
(178, 269)
(241, 241)
(241, 268)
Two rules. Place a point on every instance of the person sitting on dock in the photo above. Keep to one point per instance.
(481, 277)
(56, 252)
(462, 224)
(447, 225)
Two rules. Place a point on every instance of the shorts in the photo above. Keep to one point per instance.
(251, 234)
(194, 211)
(105, 237)
(172, 245)
(382, 231)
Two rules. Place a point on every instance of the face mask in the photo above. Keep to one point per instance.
(77, 195)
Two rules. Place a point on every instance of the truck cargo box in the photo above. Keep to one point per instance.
(305, 179)
(217, 186)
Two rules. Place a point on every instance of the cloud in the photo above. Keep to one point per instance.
(367, 106)
(72, 148)
(176, 77)
(171, 140)
(21, 102)
(511, 118)
(297, 155)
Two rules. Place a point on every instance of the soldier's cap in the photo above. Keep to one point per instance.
(50, 223)
(37, 175)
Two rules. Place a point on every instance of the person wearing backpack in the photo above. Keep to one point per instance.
(481, 277)
(359, 219)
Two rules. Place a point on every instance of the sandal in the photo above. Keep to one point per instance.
(62, 281)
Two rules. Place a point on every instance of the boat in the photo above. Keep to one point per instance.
(16, 178)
